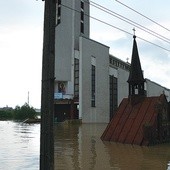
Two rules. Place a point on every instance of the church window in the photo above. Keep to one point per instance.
(82, 18)
(82, 5)
(58, 12)
(82, 27)
(136, 89)
(93, 89)
(113, 95)
(76, 77)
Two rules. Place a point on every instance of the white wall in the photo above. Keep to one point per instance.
(67, 37)
(123, 87)
(64, 45)
(77, 19)
(154, 89)
(67, 40)
(90, 49)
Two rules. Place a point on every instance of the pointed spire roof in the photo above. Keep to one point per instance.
(136, 74)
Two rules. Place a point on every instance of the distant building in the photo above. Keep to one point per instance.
(6, 108)
(139, 120)
(90, 83)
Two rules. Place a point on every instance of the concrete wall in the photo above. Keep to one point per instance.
(90, 51)
(123, 87)
(63, 44)
(77, 21)
(154, 89)
(67, 37)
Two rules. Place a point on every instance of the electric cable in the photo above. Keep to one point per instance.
(122, 30)
(143, 15)
(149, 31)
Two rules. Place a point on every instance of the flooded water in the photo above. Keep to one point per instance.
(77, 147)
(19, 146)
(80, 148)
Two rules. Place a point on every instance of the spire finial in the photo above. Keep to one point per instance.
(134, 36)
(127, 59)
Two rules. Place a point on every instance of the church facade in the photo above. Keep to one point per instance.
(90, 83)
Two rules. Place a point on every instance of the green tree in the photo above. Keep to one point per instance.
(6, 114)
(24, 112)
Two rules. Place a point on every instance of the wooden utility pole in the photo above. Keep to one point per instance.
(47, 91)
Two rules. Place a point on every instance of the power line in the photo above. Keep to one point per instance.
(149, 31)
(143, 15)
(115, 27)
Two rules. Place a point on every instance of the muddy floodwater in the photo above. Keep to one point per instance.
(77, 147)
(80, 148)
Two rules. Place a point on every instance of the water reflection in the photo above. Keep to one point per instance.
(79, 147)
(19, 146)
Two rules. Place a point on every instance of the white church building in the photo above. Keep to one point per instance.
(89, 82)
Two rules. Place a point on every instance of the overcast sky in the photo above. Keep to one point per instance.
(21, 34)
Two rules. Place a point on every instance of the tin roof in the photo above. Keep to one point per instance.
(127, 124)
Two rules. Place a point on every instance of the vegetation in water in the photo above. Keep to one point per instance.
(19, 113)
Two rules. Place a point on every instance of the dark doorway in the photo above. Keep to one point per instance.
(61, 112)
(64, 112)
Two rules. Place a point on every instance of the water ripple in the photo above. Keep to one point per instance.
(19, 146)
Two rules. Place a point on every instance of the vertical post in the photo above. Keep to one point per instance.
(28, 102)
(47, 91)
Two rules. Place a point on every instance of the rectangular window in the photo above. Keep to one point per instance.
(113, 95)
(76, 78)
(82, 18)
(82, 5)
(93, 89)
(58, 12)
(82, 27)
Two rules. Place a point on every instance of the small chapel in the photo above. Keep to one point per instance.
(139, 120)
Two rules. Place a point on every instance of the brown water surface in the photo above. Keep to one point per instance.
(78, 147)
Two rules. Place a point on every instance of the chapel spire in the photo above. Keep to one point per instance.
(136, 80)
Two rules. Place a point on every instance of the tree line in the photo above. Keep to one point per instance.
(19, 113)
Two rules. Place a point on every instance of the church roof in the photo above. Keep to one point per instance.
(127, 124)
(136, 74)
